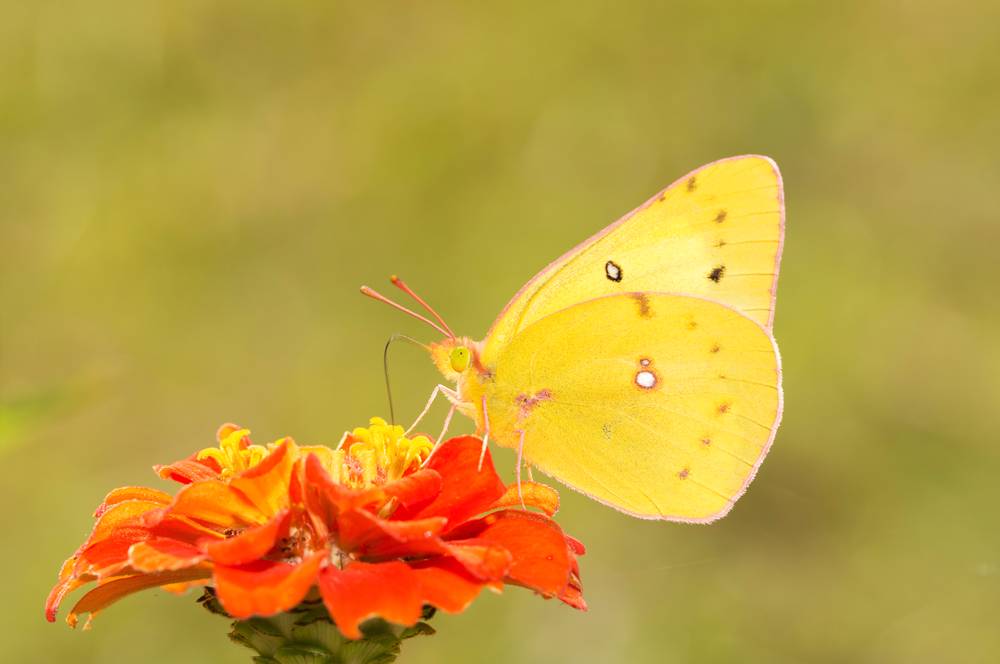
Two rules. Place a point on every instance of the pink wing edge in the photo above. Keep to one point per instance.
(600, 234)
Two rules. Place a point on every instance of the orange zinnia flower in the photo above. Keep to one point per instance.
(376, 525)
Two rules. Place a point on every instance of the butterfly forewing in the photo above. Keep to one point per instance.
(660, 405)
(716, 233)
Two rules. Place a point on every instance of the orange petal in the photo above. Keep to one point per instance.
(125, 493)
(251, 544)
(60, 590)
(447, 585)
(535, 495)
(112, 519)
(266, 484)
(118, 527)
(215, 503)
(110, 554)
(573, 595)
(264, 587)
(188, 470)
(161, 554)
(362, 590)
(183, 587)
(174, 526)
(575, 545)
(113, 590)
(465, 490)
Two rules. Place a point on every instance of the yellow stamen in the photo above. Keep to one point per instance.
(380, 453)
(234, 453)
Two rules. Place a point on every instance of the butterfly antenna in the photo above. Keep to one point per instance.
(375, 295)
(385, 369)
(388, 383)
(401, 285)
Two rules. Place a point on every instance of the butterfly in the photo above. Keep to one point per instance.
(639, 368)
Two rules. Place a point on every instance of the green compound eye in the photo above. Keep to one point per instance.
(460, 359)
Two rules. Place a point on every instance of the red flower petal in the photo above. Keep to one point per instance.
(161, 555)
(325, 499)
(362, 590)
(415, 489)
(264, 587)
(541, 557)
(174, 526)
(482, 559)
(465, 490)
(251, 544)
(447, 585)
(359, 531)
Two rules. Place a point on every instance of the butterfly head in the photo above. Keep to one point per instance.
(455, 358)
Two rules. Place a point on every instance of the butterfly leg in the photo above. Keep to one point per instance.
(486, 435)
(343, 439)
(437, 443)
(520, 457)
(447, 423)
(440, 389)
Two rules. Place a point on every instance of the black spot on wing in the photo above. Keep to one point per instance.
(717, 273)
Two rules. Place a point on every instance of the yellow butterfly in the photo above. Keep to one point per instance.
(639, 367)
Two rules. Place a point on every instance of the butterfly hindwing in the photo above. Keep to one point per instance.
(715, 233)
(660, 405)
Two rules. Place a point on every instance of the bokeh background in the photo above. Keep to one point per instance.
(191, 193)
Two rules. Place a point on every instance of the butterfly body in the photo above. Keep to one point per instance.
(639, 367)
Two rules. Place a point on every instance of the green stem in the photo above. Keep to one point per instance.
(306, 635)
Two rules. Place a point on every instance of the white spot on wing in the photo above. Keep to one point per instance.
(613, 271)
(645, 379)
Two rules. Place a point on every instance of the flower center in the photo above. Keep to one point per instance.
(377, 454)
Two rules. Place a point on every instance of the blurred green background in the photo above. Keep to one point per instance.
(191, 193)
